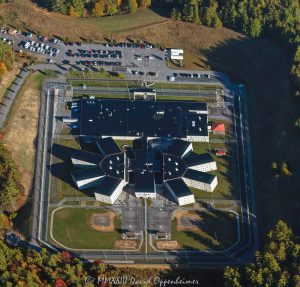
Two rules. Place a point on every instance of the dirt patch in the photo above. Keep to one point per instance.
(103, 221)
(126, 244)
(187, 221)
(167, 245)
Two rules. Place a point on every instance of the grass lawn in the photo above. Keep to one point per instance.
(108, 84)
(185, 98)
(71, 227)
(23, 120)
(104, 96)
(191, 86)
(61, 181)
(84, 74)
(217, 231)
(224, 187)
(143, 17)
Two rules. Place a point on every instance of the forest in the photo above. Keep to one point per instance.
(278, 20)
(277, 265)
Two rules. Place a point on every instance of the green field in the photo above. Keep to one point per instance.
(61, 183)
(103, 74)
(143, 17)
(191, 86)
(108, 83)
(71, 227)
(217, 231)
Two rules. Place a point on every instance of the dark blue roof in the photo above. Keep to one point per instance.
(179, 187)
(199, 176)
(107, 146)
(196, 159)
(90, 157)
(144, 181)
(178, 147)
(108, 185)
(87, 173)
(113, 165)
(111, 117)
(173, 166)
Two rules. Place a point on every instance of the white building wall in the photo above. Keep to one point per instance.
(205, 167)
(111, 199)
(188, 150)
(201, 185)
(86, 182)
(186, 200)
(197, 138)
(79, 163)
(146, 194)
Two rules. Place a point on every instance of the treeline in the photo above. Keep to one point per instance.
(96, 8)
(278, 265)
(10, 180)
(7, 58)
(30, 268)
(278, 20)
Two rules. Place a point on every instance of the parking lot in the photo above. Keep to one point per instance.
(141, 62)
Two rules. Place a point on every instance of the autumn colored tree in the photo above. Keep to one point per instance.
(71, 11)
(3, 69)
(98, 10)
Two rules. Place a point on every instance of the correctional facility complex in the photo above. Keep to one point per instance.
(161, 156)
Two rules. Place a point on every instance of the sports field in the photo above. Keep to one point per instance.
(72, 227)
(204, 230)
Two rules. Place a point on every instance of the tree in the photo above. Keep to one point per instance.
(3, 69)
(71, 11)
(144, 3)
(132, 6)
(277, 265)
(98, 10)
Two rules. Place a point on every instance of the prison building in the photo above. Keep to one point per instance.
(173, 167)
(129, 120)
(109, 189)
(87, 178)
(200, 180)
(144, 93)
(107, 146)
(179, 191)
(84, 159)
(201, 162)
(180, 148)
(144, 184)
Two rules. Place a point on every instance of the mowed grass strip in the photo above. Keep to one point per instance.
(190, 86)
(217, 231)
(72, 228)
(106, 84)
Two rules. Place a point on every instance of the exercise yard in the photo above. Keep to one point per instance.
(204, 230)
(79, 228)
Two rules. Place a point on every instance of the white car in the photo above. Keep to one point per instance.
(151, 57)
(171, 79)
(138, 58)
